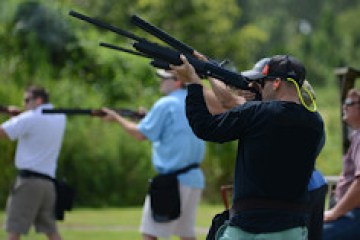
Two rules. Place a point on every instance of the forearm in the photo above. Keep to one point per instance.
(227, 99)
(205, 125)
(3, 134)
(130, 127)
(212, 102)
(196, 110)
(349, 201)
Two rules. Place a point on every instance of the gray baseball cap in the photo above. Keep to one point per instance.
(282, 66)
(256, 72)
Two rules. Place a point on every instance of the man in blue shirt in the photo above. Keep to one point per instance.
(174, 146)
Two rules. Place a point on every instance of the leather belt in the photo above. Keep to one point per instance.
(31, 174)
(257, 203)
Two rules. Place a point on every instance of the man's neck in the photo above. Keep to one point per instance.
(174, 90)
(290, 99)
(290, 95)
(36, 106)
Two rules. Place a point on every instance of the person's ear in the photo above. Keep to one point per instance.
(178, 83)
(276, 83)
(38, 101)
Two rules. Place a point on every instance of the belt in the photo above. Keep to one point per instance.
(256, 203)
(31, 174)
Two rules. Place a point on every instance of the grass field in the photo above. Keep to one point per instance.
(113, 224)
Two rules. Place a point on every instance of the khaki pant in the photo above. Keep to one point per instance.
(32, 201)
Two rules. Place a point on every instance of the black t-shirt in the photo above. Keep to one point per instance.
(277, 149)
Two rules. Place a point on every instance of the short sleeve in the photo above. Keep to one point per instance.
(356, 157)
(17, 126)
(152, 125)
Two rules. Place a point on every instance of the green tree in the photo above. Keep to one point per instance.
(101, 161)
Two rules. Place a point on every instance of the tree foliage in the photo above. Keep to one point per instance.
(41, 44)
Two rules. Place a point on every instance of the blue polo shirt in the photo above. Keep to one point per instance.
(317, 180)
(174, 145)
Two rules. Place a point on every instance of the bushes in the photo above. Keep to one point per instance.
(105, 165)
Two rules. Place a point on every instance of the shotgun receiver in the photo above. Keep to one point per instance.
(167, 55)
(94, 112)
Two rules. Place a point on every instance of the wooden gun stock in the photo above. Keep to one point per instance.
(8, 111)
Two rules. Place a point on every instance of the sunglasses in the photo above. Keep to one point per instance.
(262, 81)
(349, 102)
(28, 99)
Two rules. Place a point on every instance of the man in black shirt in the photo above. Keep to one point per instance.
(278, 141)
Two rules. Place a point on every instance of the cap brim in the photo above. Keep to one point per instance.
(252, 75)
(163, 74)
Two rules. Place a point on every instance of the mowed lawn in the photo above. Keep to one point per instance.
(113, 224)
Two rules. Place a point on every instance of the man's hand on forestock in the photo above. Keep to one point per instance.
(110, 116)
(13, 110)
(200, 56)
(185, 72)
(142, 110)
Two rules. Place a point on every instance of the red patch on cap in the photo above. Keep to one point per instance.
(265, 70)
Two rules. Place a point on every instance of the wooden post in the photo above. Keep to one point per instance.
(224, 194)
(346, 76)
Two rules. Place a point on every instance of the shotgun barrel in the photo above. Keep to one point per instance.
(94, 112)
(111, 46)
(164, 56)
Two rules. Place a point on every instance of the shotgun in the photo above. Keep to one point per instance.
(170, 55)
(95, 112)
(157, 63)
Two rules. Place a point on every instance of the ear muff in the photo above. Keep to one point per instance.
(301, 98)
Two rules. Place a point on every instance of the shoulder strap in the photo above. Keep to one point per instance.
(186, 168)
